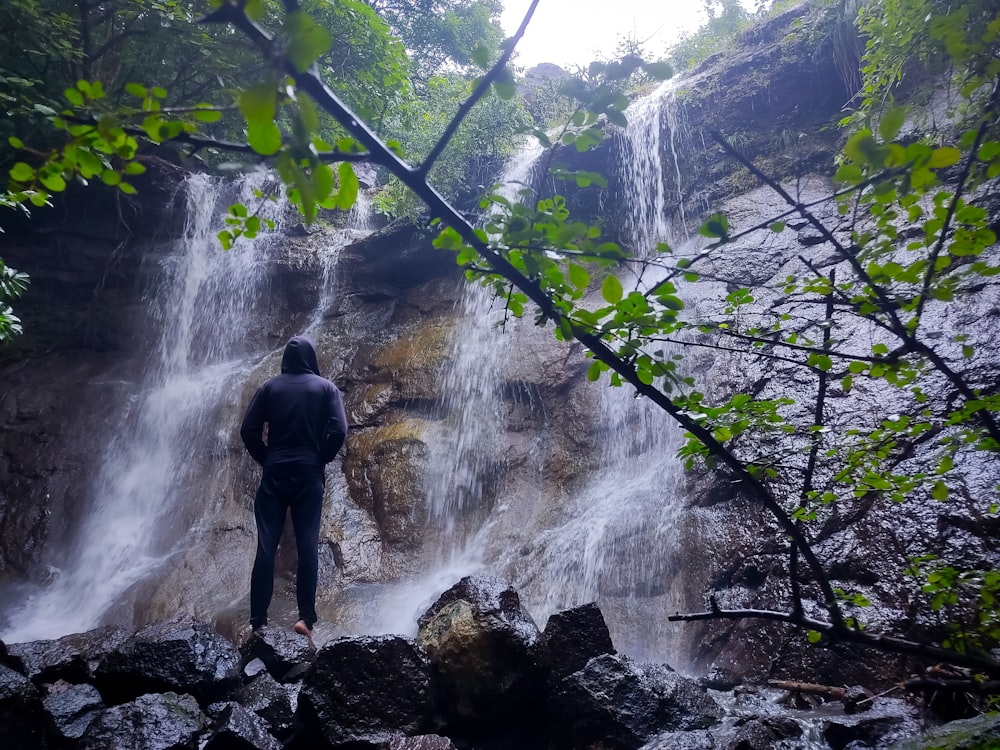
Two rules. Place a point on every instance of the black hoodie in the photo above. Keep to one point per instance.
(304, 412)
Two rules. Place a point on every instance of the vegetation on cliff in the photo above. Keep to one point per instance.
(906, 237)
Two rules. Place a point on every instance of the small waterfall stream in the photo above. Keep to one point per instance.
(202, 305)
(611, 538)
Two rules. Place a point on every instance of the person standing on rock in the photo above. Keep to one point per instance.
(306, 427)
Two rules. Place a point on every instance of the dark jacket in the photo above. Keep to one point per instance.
(304, 412)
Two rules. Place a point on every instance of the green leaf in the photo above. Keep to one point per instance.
(820, 361)
(306, 40)
(349, 185)
(862, 149)
(258, 102)
(578, 276)
(716, 225)
(611, 289)
(15, 142)
(940, 491)
(264, 137)
(944, 157)
(203, 113)
(814, 636)
(891, 122)
(481, 55)
(777, 226)
(74, 97)
(136, 90)
(53, 181)
(323, 181)
(594, 372)
(255, 9)
(22, 172)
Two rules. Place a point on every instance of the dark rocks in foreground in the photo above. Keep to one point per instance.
(480, 674)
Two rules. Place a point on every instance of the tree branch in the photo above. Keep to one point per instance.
(980, 662)
(480, 91)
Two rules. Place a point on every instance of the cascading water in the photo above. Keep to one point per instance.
(612, 537)
(465, 441)
(641, 170)
(143, 496)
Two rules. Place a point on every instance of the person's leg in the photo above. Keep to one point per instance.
(307, 512)
(269, 511)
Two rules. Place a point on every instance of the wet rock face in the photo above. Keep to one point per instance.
(72, 658)
(621, 704)
(487, 654)
(378, 692)
(575, 636)
(21, 711)
(237, 728)
(366, 691)
(71, 710)
(151, 722)
(285, 654)
(180, 654)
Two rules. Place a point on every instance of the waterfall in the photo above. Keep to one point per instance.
(145, 494)
(612, 537)
(465, 441)
(641, 171)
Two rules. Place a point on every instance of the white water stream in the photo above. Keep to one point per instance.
(202, 306)
(610, 539)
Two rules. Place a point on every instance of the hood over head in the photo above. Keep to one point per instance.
(300, 356)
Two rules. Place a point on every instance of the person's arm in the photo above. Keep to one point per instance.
(252, 429)
(336, 427)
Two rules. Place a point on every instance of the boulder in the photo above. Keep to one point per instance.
(21, 712)
(421, 742)
(154, 721)
(71, 710)
(365, 691)
(181, 654)
(699, 739)
(763, 733)
(285, 653)
(573, 637)
(238, 728)
(965, 734)
(615, 702)
(272, 701)
(72, 658)
(487, 655)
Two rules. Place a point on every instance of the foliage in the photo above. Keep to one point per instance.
(443, 34)
(13, 284)
(108, 76)
(726, 18)
(482, 143)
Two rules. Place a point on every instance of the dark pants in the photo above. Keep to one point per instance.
(284, 486)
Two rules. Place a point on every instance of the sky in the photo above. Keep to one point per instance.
(574, 32)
